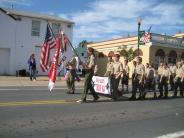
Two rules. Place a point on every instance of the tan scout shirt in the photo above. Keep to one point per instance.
(183, 66)
(160, 70)
(133, 69)
(126, 69)
(150, 74)
(166, 72)
(140, 70)
(179, 72)
(72, 64)
(117, 67)
(109, 69)
(91, 62)
(173, 69)
(147, 71)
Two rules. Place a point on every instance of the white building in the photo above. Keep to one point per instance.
(23, 33)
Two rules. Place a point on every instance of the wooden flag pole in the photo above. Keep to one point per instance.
(73, 49)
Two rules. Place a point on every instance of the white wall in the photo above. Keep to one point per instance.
(16, 35)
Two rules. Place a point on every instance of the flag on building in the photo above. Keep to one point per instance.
(54, 65)
(147, 37)
(49, 44)
(141, 37)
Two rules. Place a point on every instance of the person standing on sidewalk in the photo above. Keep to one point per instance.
(32, 67)
(71, 75)
(89, 72)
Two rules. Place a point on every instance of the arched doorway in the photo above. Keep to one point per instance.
(172, 57)
(159, 56)
(136, 52)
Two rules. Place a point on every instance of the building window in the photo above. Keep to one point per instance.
(82, 54)
(55, 28)
(172, 57)
(159, 57)
(35, 30)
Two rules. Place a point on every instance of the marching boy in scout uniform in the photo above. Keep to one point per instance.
(125, 75)
(89, 69)
(139, 80)
(109, 68)
(116, 75)
(71, 75)
(134, 63)
(159, 72)
(164, 81)
(178, 80)
(172, 76)
(150, 79)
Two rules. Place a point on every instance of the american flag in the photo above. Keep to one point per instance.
(49, 43)
(147, 37)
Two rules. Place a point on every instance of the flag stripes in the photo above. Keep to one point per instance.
(49, 44)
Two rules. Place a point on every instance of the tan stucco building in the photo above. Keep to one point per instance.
(160, 48)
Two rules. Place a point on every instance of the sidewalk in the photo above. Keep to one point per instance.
(6, 81)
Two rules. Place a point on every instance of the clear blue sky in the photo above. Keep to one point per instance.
(105, 19)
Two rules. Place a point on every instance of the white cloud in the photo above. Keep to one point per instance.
(48, 13)
(61, 15)
(110, 18)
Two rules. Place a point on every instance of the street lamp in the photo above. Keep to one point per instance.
(139, 24)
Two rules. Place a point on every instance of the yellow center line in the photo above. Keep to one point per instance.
(42, 102)
(27, 103)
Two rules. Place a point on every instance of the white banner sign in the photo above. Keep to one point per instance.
(101, 84)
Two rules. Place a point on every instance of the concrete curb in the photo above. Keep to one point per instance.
(8, 81)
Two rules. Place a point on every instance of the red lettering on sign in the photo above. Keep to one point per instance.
(103, 88)
(98, 87)
(98, 80)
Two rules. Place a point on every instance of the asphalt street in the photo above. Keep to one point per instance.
(34, 112)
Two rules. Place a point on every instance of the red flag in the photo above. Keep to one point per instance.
(49, 43)
(53, 69)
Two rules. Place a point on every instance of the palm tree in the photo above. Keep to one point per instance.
(127, 53)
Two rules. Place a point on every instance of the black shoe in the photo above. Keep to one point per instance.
(70, 92)
(132, 98)
(113, 99)
(165, 97)
(155, 96)
(96, 98)
(81, 101)
(160, 96)
(140, 98)
(181, 94)
(174, 96)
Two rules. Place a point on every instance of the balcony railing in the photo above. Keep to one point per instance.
(167, 40)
